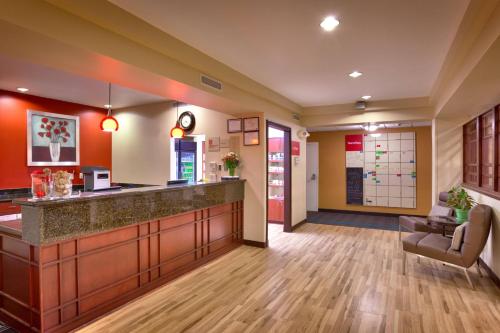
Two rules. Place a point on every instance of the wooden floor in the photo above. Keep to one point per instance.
(321, 278)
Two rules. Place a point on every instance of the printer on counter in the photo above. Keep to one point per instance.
(96, 178)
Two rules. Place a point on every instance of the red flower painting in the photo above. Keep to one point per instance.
(56, 132)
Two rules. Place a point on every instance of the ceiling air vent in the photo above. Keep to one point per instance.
(296, 116)
(210, 82)
(360, 105)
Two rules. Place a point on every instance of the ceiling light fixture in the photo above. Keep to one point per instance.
(23, 90)
(108, 106)
(329, 23)
(370, 127)
(177, 132)
(355, 74)
(375, 135)
(366, 97)
(109, 123)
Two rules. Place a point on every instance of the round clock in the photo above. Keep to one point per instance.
(187, 121)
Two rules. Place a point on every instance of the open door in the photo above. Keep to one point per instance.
(279, 197)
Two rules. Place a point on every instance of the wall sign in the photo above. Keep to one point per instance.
(214, 144)
(295, 148)
(53, 139)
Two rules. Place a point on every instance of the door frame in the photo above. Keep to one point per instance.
(287, 223)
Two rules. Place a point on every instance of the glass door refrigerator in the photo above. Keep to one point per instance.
(186, 159)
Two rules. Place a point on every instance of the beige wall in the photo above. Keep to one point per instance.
(141, 154)
(448, 167)
(332, 184)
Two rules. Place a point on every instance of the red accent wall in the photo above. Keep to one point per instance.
(95, 145)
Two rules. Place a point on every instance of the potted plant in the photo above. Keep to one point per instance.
(461, 201)
(231, 162)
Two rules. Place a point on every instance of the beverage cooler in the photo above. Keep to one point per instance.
(276, 206)
(186, 159)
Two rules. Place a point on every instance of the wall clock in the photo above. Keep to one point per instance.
(187, 121)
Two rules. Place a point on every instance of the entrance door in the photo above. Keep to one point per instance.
(279, 196)
(312, 176)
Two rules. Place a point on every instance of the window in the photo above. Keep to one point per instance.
(481, 151)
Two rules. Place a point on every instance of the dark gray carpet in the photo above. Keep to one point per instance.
(354, 220)
(6, 329)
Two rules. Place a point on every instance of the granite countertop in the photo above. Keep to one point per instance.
(47, 220)
(7, 195)
(86, 196)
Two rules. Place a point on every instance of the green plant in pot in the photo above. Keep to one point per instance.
(461, 201)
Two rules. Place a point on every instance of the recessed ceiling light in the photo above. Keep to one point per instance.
(355, 74)
(366, 97)
(23, 90)
(329, 23)
(108, 106)
(375, 135)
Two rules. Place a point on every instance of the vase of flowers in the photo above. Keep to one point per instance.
(231, 161)
(57, 133)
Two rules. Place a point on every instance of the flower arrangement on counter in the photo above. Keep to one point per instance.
(231, 162)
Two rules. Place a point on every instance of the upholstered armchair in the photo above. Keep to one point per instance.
(439, 247)
(419, 224)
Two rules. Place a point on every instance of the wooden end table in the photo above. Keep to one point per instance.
(447, 223)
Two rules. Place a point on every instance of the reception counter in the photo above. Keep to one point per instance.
(71, 260)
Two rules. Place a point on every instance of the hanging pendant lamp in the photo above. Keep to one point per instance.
(177, 132)
(109, 123)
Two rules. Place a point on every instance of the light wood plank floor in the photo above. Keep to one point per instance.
(321, 278)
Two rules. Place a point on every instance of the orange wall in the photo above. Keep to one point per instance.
(95, 145)
(332, 181)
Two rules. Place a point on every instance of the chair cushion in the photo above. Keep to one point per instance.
(433, 246)
(414, 223)
(410, 242)
(458, 237)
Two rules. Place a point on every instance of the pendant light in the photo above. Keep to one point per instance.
(177, 132)
(109, 123)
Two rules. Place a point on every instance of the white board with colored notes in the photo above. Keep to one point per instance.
(389, 167)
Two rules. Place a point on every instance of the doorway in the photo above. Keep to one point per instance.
(279, 180)
(312, 174)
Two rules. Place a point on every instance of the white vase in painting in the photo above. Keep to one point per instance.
(55, 151)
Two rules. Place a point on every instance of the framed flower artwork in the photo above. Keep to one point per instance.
(53, 139)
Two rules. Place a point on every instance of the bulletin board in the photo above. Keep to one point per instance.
(388, 161)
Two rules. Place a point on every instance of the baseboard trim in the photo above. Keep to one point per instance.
(248, 242)
(491, 274)
(329, 210)
(298, 225)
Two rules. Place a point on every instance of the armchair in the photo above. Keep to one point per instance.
(419, 224)
(438, 247)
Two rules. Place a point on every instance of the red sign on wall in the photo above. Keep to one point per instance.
(354, 142)
(295, 148)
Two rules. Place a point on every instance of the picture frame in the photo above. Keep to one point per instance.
(224, 142)
(234, 125)
(214, 144)
(53, 139)
(251, 138)
(251, 124)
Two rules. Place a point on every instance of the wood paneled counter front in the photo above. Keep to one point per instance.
(78, 258)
